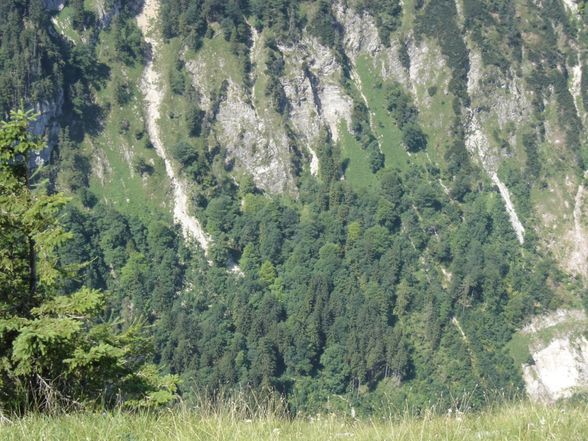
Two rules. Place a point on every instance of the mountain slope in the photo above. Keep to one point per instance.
(379, 172)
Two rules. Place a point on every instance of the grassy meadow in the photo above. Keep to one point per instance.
(522, 421)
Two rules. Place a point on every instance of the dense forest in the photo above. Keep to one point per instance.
(404, 291)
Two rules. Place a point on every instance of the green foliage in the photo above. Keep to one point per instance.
(343, 295)
(361, 127)
(81, 18)
(334, 294)
(194, 119)
(192, 159)
(584, 86)
(533, 162)
(75, 166)
(281, 16)
(122, 91)
(404, 57)
(494, 29)
(275, 68)
(142, 167)
(324, 25)
(31, 60)
(177, 81)
(220, 214)
(406, 115)
(128, 40)
(54, 352)
(376, 158)
(388, 15)
(414, 138)
(267, 273)
(192, 20)
(438, 20)
(400, 105)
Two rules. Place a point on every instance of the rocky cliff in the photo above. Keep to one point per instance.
(472, 97)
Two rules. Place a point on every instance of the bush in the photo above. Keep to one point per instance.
(194, 119)
(377, 160)
(414, 138)
(324, 25)
(143, 167)
(177, 82)
(387, 13)
(129, 43)
(405, 113)
(122, 92)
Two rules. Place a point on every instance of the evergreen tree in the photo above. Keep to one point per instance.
(53, 348)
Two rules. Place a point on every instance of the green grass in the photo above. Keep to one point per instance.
(172, 122)
(116, 152)
(407, 17)
(518, 348)
(523, 421)
(358, 171)
(434, 121)
(218, 59)
(63, 24)
(385, 127)
(435, 114)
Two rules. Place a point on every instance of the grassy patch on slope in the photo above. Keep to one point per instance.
(357, 170)
(63, 24)
(122, 142)
(385, 128)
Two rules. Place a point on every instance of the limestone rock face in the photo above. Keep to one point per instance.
(560, 369)
(559, 365)
(248, 137)
(46, 126)
(153, 97)
(321, 85)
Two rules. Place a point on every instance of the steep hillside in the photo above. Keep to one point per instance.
(374, 196)
(153, 95)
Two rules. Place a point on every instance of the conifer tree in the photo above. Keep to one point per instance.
(54, 350)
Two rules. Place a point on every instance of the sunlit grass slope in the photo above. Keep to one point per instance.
(511, 422)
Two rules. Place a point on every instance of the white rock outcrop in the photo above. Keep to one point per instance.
(510, 209)
(575, 87)
(560, 365)
(253, 135)
(153, 96)
(571, 5)
(259, 144)
(46, 126)
(321, 97)
(361, 37)
(304, 114)
(578, 236)
(510, 106)
(560, 369)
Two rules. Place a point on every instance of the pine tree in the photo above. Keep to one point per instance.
(54, 351)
